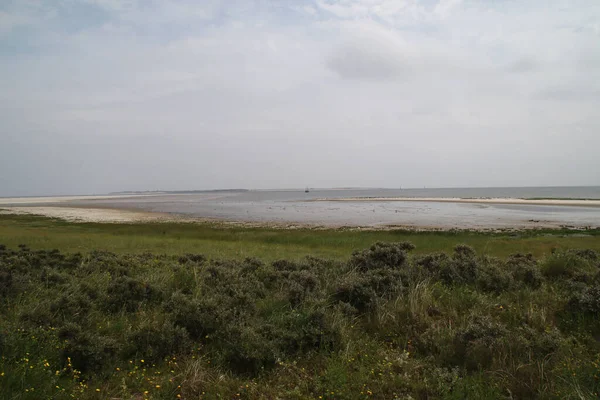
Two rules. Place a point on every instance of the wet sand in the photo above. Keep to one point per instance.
(318, 209)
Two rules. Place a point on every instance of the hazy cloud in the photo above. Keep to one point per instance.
(105, 95)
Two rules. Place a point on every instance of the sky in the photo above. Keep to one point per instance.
(99, 96)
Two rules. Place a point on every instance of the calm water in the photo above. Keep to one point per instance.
(291, 207)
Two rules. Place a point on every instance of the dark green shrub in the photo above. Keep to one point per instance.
(492, 277)
(463, 251)
(250, 265)
(362, 291)
(356, 291)
(302, 331)
(285, 265)
(86, 350)
(38, 314)
(125, 293)
(526, 341)
(6, 283)
(71, 307)
(566, 265)
(89, 290)
(24, 248)
(462, 267)
(586, 302)
(586, 254)
(192, 258)
(476, 344)
(155, 341)
(199, 317)
(381, 255)
(307, 280)
(104, 261)
(299, 285)
(525, 270)
(432, 263)
(386, 282)
(52, 278)
(184, 279)
(245, 350)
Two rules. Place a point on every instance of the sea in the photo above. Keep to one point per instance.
(297, 207)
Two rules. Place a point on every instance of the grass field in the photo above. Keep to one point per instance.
(178, 311)
(218, 241)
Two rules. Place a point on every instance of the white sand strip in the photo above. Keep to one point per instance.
(548, 202)
(76, 214)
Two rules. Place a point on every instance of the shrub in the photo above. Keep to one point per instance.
(86, 350)
(432, 263)
(300, 284)
(587, 301)
(154, 341)
(566, 265)
(71, 306)
(586, 254)
(184, 279)
(107, 262)
(525, 270)
(199, 317)
(475, 344)
(38, 314)
(302, 331)
(245, 350)
(6, 283)
(381, 255)
(285, 265)
(462, 267)
(492, 277)
(356, 291)
(192, 258)
(52, 278)
(364, 290)
(125, 293)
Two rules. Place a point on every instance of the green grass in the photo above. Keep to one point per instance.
(384, 323)
(221, 241)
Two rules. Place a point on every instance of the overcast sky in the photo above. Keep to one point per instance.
(108, 95)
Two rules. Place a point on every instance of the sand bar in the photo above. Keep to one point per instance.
(80, 214)
(545, 202)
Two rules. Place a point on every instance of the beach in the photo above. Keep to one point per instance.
(369, 209)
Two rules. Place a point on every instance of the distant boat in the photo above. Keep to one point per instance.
(306, 190)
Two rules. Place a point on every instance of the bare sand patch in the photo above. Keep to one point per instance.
(77, 214)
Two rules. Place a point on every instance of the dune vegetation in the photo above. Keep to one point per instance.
(230, 241)
(384, 322)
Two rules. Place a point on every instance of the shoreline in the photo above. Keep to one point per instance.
(508, 201)
(81, 214)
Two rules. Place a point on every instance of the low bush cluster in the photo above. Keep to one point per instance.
(386, 323)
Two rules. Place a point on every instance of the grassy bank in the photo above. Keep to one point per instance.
(198, 311)
(267, 244)
(386, 323)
